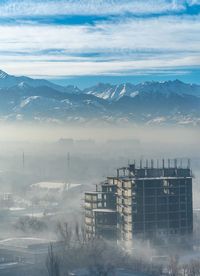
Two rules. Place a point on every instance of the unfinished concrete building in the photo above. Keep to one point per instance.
(100, 211)
(142, 201)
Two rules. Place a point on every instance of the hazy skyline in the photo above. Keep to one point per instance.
(84, 42)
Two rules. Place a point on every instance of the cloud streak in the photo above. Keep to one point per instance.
(114, 46)
(71, 7)
(78, 68)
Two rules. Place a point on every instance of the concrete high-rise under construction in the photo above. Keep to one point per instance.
(142, 202)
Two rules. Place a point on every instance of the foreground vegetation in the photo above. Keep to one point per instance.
(99, 257)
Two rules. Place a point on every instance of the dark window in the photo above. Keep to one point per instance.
(149, 192)
(173, 199)
(182, 198)
(183, 207)
(150, 200)
(162, 224)
(150, 217)
(162, 216)
(183, 223)
(173, 216)
(162, 200)
(162, 208)
(150, 209)
(182, 190)
(173, 207)
(183, 215)
(150, 225)
(173, 224)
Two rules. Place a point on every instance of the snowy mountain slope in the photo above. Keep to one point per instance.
(8, 81)
(157, 103)
(111, 92)
(115, 92)
(26, 102)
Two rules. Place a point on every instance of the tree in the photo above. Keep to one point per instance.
(174, 266)
(193, 268)
(52, 263)
(30, 224)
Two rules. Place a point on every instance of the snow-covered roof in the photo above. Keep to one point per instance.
(22, 242)
(55, 185)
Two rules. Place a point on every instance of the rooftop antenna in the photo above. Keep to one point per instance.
(67, 184)
(23, 160)
(189, 163)
(124, 171)
(175, 163)
(163, 163)
(68, 160)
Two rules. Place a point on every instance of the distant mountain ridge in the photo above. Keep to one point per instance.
(160, 103)
(8, 81)
(115, 92)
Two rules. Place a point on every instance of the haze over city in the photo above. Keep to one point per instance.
(99, 137)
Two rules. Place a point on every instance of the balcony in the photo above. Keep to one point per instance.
(127, 211)
(128, 220)
(90, 205)
(89, 215)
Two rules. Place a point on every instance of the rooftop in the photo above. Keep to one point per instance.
(102, 210)
(55, 185)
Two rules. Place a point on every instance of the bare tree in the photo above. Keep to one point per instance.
(193, 268)
(52, 263)
(65, 233)
(99, 256)
(173, 267)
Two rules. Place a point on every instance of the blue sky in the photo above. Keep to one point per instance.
(87, 41)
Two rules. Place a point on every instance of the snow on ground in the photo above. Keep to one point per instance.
(55, 185)
(23, 242)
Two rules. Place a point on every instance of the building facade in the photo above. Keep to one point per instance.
(142, 202)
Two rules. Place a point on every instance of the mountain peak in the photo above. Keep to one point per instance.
(115, 92)
(23, 85)
(3, 74)
(176, 81)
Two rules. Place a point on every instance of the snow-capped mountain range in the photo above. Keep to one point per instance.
(160, 103)
(115, 92)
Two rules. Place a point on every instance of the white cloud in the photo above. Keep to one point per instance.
(134, 44)
(168, 33)
(69, 7)
(193, 2)
(78, 68)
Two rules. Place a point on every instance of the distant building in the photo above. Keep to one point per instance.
(85, 143)
(54, 187)
(6, 200)
(50, 195)
(123, 142)
(68, 142)
(142, 202)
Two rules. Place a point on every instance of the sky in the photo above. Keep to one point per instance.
(83, 42)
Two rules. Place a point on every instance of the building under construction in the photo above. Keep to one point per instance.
(142, 202)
